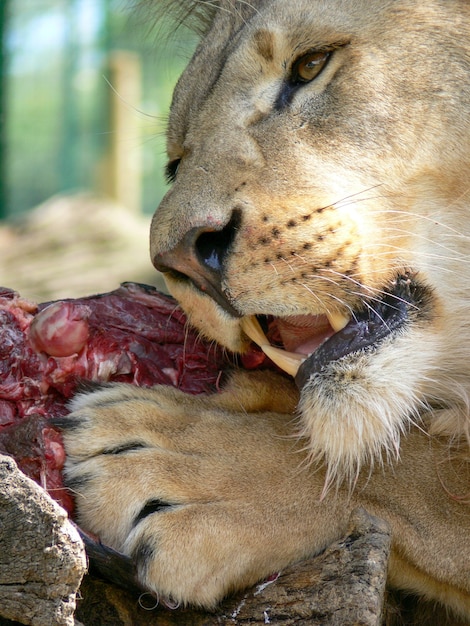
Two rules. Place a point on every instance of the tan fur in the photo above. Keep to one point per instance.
(362, 176)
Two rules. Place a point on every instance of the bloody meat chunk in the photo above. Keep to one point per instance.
(133, 334)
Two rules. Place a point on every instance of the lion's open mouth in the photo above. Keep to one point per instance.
(311, 342)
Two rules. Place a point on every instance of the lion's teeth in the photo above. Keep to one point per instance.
(337, 321)
(252, 328)
(287, 361)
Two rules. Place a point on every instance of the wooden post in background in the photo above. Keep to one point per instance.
(125, 163)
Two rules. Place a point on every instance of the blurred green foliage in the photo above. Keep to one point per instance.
(58, 90)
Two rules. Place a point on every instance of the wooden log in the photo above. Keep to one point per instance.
(42, 558)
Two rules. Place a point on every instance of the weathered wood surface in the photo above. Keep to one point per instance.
(42, 560)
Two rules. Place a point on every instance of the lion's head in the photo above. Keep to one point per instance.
(319, 154)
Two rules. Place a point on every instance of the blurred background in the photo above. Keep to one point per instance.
(84, 95)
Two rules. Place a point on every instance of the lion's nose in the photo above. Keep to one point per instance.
(200, 256)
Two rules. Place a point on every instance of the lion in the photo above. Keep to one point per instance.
(318, 155)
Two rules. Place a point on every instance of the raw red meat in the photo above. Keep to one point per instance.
(133, 334)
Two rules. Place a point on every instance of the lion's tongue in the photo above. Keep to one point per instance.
(303, 334)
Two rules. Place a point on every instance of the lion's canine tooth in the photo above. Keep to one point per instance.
(337, 321)
(287, 361)
(252, 328)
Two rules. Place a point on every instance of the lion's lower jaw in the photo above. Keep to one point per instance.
(354, 413)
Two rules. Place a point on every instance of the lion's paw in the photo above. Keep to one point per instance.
(203, 499)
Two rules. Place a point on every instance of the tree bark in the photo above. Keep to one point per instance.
(42, 559)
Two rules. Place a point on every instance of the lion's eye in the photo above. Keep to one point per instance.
(171, 170)
(308, 66)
